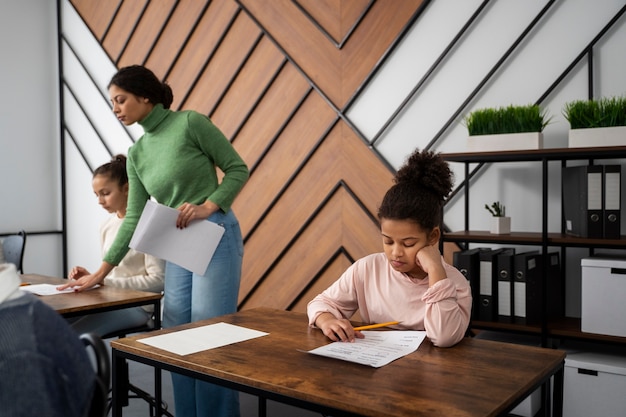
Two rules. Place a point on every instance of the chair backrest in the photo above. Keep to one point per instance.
(99, 403)
(13, 249)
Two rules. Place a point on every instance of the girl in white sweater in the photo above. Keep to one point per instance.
(136, 270)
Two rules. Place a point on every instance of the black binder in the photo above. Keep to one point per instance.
(488, 284)
(467, 261)
(556, 294)
(504, 271)
(612, 201)
(582, 200)
(527, 291)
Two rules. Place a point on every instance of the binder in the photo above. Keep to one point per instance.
(556, 294)
(467, 262)
(504, 270)
(582, 200)
(612, 201)
(527, 292)
(488, 284)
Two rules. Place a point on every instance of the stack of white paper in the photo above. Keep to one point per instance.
(192, 247)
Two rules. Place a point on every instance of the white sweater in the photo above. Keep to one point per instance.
(136, 270)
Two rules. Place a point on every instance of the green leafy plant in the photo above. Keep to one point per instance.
(602, 112)
(511, 119)
(496, 209)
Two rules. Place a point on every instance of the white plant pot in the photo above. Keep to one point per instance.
(598, 136)
(505, 142)
(501, 225)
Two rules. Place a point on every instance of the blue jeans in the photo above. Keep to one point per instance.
(191, 297)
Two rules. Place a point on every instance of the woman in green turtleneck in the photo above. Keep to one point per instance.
(175, 162)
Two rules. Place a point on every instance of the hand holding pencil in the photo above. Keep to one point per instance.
(341, 330)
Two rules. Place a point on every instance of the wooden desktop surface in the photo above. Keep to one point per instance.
(104, 298)
(473, 378)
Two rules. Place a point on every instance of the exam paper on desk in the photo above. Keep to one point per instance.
(378, 348)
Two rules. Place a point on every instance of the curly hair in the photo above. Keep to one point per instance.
(142, 82)
(421, 187)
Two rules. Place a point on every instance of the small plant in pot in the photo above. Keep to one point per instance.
(506, 128)
(501, 224)
(596, 122)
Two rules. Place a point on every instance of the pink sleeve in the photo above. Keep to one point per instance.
(339, 299)
(448, 309)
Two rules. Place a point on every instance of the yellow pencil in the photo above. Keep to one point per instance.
(376, 326)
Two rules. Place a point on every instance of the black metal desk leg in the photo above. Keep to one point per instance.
(119, 380)
(262, 406)
(557, 411)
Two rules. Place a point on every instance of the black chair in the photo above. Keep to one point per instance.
(100, 402)
(136, 392)
(13, 249)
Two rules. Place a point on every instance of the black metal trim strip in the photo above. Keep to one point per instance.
(339, 112)
(289, 181)
(78, 148)
(210, 56)
(340, 251)
(588, 50)
(258, 100)
(187, 39)
(235, 74)
(132, 32)
(383, 58)
(158, 37)
(338, 186)
(400, 109)
(490, 74)
(280, 130)
(62, 134)
(88, 120)
(86, 71)
(338, 43)
(110, 24)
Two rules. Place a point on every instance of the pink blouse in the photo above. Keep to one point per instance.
(382, 294)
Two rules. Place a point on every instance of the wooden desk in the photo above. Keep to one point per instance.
(104, 298)
(474, 378)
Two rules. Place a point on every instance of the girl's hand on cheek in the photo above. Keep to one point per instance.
(428, 257)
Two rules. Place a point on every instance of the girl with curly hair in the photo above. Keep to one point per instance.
(409, 282)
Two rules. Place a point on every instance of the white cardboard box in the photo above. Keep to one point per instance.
(594, 385)
(603, 301)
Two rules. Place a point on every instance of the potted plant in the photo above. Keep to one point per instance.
(596, 122)
(501, 224)
(506, 128)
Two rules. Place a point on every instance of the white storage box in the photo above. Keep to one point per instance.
(594, 385)
(603, 307)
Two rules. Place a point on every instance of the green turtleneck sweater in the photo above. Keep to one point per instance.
(175, 162)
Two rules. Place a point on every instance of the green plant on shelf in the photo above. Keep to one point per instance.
(511, 119)
(496, 209)
(602, 112)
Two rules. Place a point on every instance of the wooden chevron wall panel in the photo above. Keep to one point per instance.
(275, 76)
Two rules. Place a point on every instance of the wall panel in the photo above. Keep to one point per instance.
(275, 76)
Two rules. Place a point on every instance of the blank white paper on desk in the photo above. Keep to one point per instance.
(49, 289)
(185, 342)
(378, 348)
(192, 247)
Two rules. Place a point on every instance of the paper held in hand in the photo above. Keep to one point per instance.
(192, 247)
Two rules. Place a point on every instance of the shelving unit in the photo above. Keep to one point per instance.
(566, 327)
